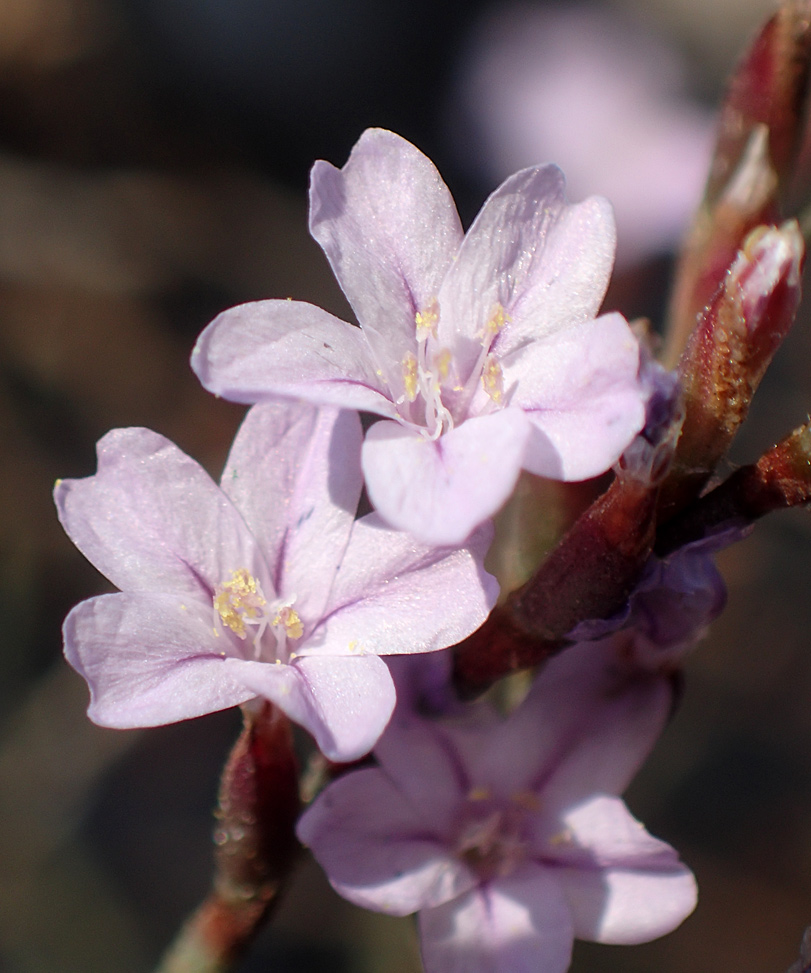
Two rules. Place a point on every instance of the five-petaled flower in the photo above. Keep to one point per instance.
(481, 352)
(507, 836)
(266, 586)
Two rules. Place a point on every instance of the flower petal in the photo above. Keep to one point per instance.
(345, 702)
(632, 888)
(148, 660)
(622, 715)
(152, 520)
(395, 595)
(420, 759)
(390, 230)
(440, 490)
(581, 392)
(627, 907)
(547, 264)
(377, 849)
(519, 924)
(294, 473)
(293, 349)
(592, 722)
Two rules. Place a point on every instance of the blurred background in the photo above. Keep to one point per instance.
(153, 168)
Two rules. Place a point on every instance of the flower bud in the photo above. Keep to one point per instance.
(755, 163)
(729, 351)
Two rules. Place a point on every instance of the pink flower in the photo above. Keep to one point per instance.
(507, 836)
(481, 352)
(265, 586)
(602, 96)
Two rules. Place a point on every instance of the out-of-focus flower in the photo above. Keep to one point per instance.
(598, 95)
(507, 836)
(481, 352)
(265, 586)
(671, 606)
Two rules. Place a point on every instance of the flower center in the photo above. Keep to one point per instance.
(240, 605)
(432, 372)
(492, 836)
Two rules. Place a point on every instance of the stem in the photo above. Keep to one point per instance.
(256, 847)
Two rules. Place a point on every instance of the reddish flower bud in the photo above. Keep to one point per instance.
(729, 351)
(759, 137)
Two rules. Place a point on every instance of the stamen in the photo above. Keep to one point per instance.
(479, 794)
(238, 601)
(426, 320)
(493, 379)
(564, 837)
(527, 800)
(240, 604)
(498, 318)
(442, 363)
(289, 618)
(410, 376)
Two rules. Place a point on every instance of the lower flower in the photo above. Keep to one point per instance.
(507, 836)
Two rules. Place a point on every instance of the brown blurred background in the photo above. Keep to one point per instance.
(153, 164)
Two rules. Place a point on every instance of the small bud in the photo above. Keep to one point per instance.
(755, 163)
(769, 88)
(748, 200)
(729, 351)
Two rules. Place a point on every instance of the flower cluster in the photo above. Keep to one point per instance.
(482, 355)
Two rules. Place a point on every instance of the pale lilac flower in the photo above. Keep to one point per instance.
(601, 95)
(507, 836)
(265, 586)
(481, 351)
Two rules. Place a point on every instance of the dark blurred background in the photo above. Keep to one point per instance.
(153, 167)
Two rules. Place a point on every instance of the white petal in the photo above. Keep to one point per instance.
(294, 473)
(624, 885)
(149, 660)
(151, 519)
(345, 702)
(395, 595)
(519, 924)
(290, 348)
(377, 849)
(547, 264)
(390, 230)
(440, 490)
(580, 389)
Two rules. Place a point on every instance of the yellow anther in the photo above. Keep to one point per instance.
(498, 318)
(564, 837)
(493, 379)
(289, 617)
(426, 321)
(479, 794)
(237, 600)
(526, 800)
(442, 363)
(410, 376)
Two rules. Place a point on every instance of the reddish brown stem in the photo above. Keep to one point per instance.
(256, 847)
(588, 575)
